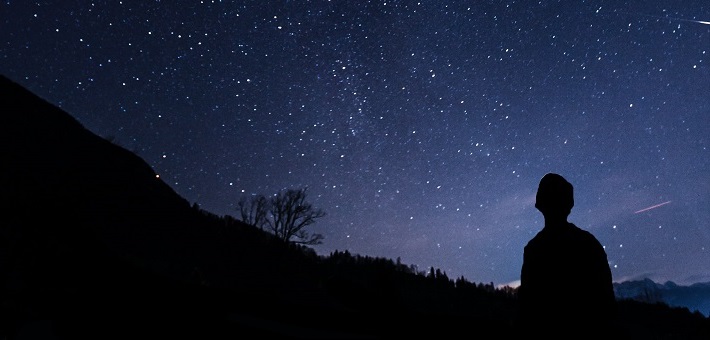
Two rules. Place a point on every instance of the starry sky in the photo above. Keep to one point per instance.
(421, 128)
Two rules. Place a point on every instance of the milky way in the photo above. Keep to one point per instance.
(420, 128)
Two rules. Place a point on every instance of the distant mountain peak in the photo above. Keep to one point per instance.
(695, 297)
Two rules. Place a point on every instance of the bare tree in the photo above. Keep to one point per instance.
(253, 210)
(286, 215)
(291, 214)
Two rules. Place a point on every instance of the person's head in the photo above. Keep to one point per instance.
(555, 196)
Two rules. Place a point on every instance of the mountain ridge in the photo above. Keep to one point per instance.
(695, 297)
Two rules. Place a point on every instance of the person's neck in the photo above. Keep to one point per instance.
(555, 221)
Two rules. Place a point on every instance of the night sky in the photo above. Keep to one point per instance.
(420, 128)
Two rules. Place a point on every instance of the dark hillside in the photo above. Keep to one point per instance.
(90, 235)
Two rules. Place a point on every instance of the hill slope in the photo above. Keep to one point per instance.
(92, 239)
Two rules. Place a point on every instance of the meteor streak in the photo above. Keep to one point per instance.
(695, 21)
(652, 207)
(679, 19)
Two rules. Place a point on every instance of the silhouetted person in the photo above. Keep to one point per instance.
(565, 282)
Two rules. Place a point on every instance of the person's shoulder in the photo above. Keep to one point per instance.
(585, 235)
(579, 230)
(537, 239)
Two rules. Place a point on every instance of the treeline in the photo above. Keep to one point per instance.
(385, 297)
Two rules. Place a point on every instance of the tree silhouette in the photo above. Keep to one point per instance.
(286, 215)
(254, 210)
(291, 214)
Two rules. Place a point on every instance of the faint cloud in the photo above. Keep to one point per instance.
(513, 284)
